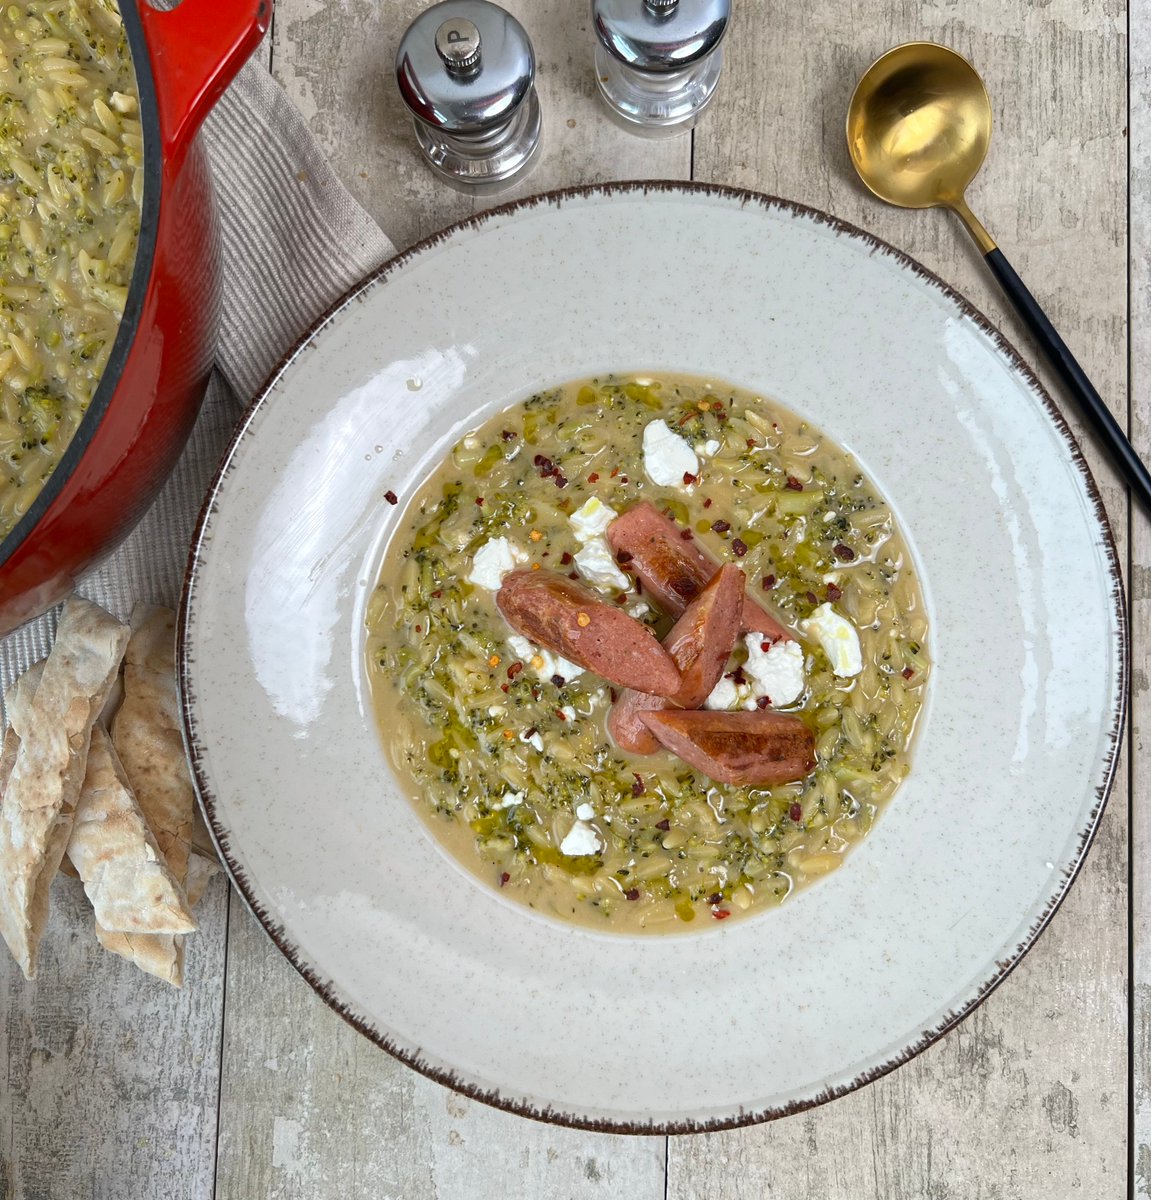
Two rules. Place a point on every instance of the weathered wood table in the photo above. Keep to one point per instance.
(246, 1086)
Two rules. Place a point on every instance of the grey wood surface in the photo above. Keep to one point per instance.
(115, 1086)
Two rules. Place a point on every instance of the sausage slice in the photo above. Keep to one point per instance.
(742, 748)
(570, 620)
(674, 571)
(699, 642)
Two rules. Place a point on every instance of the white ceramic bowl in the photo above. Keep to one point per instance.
(745, 1020)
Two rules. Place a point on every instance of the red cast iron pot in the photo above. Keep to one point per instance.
(152, 388)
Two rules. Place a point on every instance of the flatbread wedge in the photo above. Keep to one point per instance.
(146, 734)
(125, 876)
(40, 797)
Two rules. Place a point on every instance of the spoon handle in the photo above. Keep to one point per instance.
(1074, 377)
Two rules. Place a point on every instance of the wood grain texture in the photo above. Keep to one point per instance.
(336, 63)
(1140, 365)
(110, 1077)
(1028, 1097)
(310, 1110)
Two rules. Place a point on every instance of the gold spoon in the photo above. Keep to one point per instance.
(918, 128)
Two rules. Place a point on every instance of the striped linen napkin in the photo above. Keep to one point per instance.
(294, 241)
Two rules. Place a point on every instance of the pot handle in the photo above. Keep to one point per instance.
(196, 50)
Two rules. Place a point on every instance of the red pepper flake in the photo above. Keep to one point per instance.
(765, 646)
(593, 477)
(720, 415)
(538, 460)
(391, 497)
(419, 629)
(504, 687)
(535, 696)
(833, 593)
(767, 582)
(624, 479)
(621, 598)
(665, 824)
(565, 559)
(573, 574)
(707, 502)
(738, 547)
(480, 501)
(631, 894)
(720, 526)
(721, 914)
(614, 694)
(793, 484)
(795, 812)
(504, 877)
(736, 676)
(558, 680)
(689, 478)
(559, 712)
(762, 702)
(842, 552)
(812, 598)
(515, 669)
(530, 734)
(686, 534)
(717, 898)
(508, 434)
(614, 472)
(751, 443)
(638, 788)
(437, 594)
(638, 586)
(623, 557)
(561, 481)
(907, 672)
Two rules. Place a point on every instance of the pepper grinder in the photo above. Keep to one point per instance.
(657, 62)
(466, 71)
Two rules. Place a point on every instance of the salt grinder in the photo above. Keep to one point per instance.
(657, 62)
(466, 71)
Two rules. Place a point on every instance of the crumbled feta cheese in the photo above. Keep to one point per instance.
(568, 712)
(707, 449)
(493, 561)
(591, 519)
(638, 609)
(667, 458)
(726, 694)
(549, 664)
(584, 811)
(496, 710)
(580, 839)
(776, 673)
(838, 637)
(533, 740)
(596, 565)
(509, 800)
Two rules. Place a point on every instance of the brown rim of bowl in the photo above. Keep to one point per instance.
(326, 989)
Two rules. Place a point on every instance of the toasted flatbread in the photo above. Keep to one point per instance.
(146, 734)
(39, 800)
(160, 954)
(200, 872)
(124, 873)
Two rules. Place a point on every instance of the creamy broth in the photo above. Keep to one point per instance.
(503, 751)
(71, 182)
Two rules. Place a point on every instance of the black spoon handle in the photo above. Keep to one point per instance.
(1074, 377)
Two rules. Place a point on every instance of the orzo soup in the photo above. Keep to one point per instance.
(70, 191)
(539, 645)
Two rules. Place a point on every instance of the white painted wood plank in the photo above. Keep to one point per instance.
(110, 1077)
(337, 64)
(311, 1110)
(1140, 259)
(1028, 1097)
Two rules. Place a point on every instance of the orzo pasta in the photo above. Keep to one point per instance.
(504, 746)
(71, 183)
